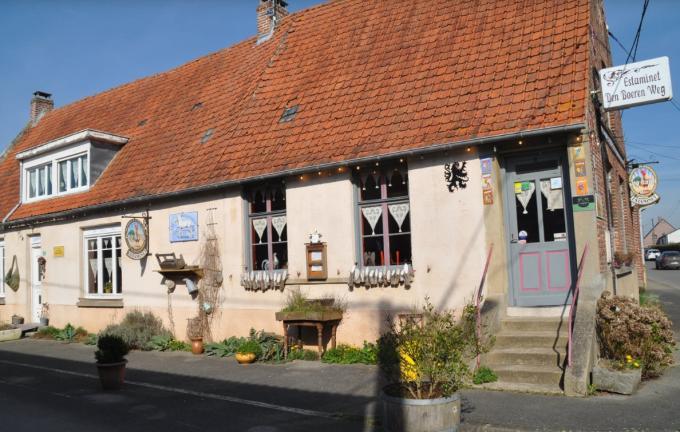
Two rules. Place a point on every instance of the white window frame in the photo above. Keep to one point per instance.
(53, 159)
(2, 268)
(99, 234)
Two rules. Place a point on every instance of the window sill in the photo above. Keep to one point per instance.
(99, 303)
(329, 281)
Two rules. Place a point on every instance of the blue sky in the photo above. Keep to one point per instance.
(76, 48)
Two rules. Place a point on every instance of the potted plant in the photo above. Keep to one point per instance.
(110, 355)
(619, 259)
(425, 364)
(299, 307)
(108, 287)
(45, 315)
(248, 352)
(195, 334)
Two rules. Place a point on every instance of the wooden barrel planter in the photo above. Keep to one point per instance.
(420, 415)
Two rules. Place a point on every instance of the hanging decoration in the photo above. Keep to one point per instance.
(526, 191)
(399, 212)
(381, 276)
(372, 214)
(259, 226)
(456, 176)
(552, 196)
(279, 223)
(264, 280)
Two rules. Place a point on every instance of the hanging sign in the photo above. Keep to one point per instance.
(183, 227)
(643, 181)
(583, 203)
(137, 239)
(636, 84)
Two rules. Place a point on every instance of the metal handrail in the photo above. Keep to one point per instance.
(478, 299)
(574, 300)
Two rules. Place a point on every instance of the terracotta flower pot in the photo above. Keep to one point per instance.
(245, 358)
(112, 375)
(197, 345)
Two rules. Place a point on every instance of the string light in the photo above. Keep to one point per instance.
(468, 149)
(519, 142)
(358, 167)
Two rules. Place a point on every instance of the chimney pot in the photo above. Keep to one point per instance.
(269, 12)
(41, 104)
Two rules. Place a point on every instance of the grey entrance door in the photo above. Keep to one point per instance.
(537, 205)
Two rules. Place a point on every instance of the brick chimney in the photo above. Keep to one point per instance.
(269, 13)
(41, 104)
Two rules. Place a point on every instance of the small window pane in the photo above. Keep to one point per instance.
(552, 203)
(119, 272)
(63, 174)
(92, 268)
(396, 184)
(107, 276)
(278, 196)
(258, 202)
(49, 179)
(400, 249)
(74, 173)
(370, 188)
(526, 210)
(280, 256)
(41, 181)
(260, 257)
(32, 180)
(374, 251)
(83, 170)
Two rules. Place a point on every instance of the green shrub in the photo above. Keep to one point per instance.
(430, 359)
(633, 333)
(250, 346)
(297, 301)
(91, 339)
(271, 345)
(226, 348)
(111, 349)
(302, 354)
(137, 329)
(346, 354)
(484, 375)
(167, 343)
(48, 332)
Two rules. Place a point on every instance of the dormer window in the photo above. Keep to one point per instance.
(63, 166)
(73, 173)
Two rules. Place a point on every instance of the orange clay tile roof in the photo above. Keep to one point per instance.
(370, 78)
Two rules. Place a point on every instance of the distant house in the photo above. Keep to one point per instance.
(670, 238)
(660, 229)
(415, 137)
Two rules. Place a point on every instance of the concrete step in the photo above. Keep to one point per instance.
(525, 356)
(530, 339)
(533, 324)
(529, 374)
(522, 388)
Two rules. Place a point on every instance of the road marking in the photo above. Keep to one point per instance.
(299, 411)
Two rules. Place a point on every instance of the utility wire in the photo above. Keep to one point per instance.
(636, 40)
(618, 42)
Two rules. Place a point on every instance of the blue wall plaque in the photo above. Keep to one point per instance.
(183, 227)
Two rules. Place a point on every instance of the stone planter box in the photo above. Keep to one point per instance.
(616, 381)
(309, 316)
(8, 335)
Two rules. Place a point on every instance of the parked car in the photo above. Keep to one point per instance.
(668, 260)
(652, 254)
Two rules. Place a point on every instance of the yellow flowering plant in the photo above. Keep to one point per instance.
(429, 359)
